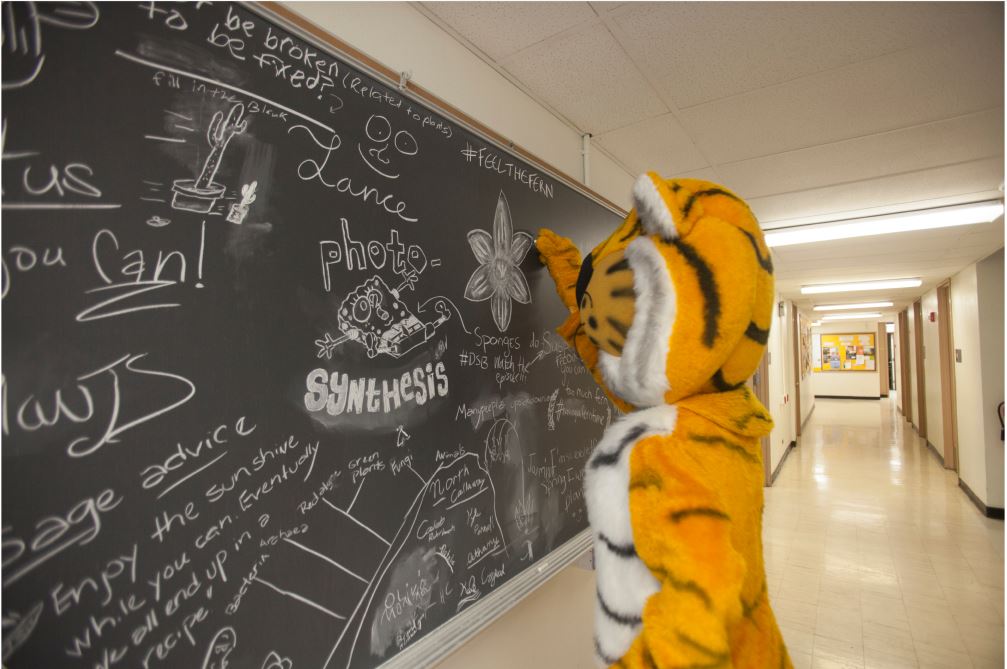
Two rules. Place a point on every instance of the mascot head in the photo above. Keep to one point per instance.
(678, 300)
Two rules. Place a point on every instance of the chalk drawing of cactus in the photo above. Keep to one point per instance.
(239, 210)
(201, 194)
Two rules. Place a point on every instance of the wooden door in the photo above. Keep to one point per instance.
(759, 383)
(907, 403)
(921, 377)
(948, 396)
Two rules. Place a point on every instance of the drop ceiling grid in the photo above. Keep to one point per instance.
(502, 29)
(707, 51)
(904, 150)
(867, 107)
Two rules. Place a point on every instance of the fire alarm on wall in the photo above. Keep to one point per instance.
(933, 316)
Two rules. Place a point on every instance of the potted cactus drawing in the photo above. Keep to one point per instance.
(200, 194)
(239, 210)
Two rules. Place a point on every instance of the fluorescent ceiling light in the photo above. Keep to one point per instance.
(860, 285)
(927, 219)
(851, 317)
(861, 305)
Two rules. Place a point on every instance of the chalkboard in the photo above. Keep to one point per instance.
(280, 382)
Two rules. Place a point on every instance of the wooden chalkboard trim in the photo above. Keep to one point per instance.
(290, 19)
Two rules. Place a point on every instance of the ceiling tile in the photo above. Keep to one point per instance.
(710, 50)
(972, 177)
(920, 147)
(659, 144)
(588, 78)
(907, 88)
(500, 29)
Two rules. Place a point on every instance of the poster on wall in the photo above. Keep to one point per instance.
(805, 329)
(847, 352)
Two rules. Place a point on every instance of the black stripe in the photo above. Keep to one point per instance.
(623, 292)
(621, 618)
(621, 266)
(616, 345)
(757, 334)
(646, 480)
(714, 440)
(723, 386)
(604, 658)
(698, 194)
(635, 230)
(619, 326)
(742, 423)
(606, 459)
(648, 659)
(692, 643)
(684, 586)
(677, 516)
(584, 276)
(765, 263)
(708, 285)
(624, 551)
(675, 187)
(747, 609)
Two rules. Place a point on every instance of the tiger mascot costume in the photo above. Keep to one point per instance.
(671, 315)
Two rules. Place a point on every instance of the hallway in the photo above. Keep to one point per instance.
(875, 557)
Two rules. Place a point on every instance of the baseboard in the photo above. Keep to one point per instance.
(937, 454)
(845, 397)
(779, 465)
(993, 512)
(808, 417)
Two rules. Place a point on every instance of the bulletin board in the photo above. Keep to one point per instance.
(848, 352)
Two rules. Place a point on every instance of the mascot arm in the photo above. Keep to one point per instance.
(562, 258)
(682, 533)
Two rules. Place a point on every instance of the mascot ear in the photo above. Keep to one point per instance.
(655, 206)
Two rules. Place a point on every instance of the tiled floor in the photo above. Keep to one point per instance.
(875, 557)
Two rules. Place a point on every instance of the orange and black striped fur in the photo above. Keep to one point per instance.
(671, 314)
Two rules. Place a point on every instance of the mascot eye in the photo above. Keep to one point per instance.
(584, 278)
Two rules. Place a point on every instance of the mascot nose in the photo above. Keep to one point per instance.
(584, 278)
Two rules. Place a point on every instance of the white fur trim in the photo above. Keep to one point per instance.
(639, 375)
(625, 583)
(651, 210)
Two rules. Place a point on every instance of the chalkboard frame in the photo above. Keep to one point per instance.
(448, 637)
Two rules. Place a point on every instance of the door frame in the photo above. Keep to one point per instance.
(761, 391)
(949, 403)
(881, 353)
(921, 377)
(795, 323)
(907, 403)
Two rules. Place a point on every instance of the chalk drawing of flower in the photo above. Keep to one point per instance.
(498, 278)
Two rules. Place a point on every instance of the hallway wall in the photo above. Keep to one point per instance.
(977, 322)
(897, 395)
(807, 382)
(971, 439)
(400, 37)
(847, 384)
(932, 369)
(781, 382)
(913, 396)
(990, 274)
